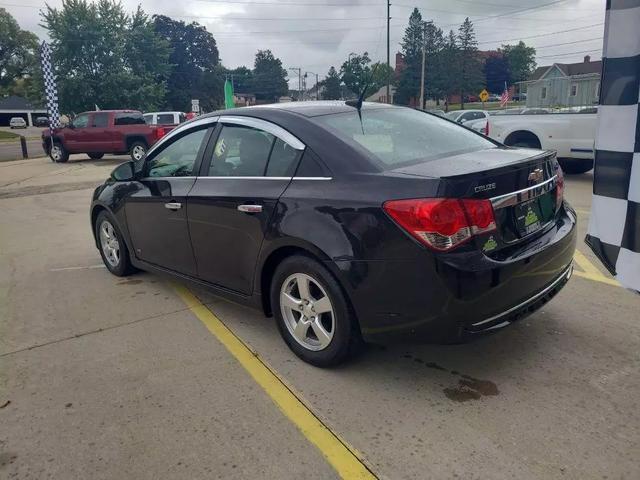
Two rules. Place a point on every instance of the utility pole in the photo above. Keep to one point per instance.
(299, 70)
(388, 54)
(317, 86)
(422, 76)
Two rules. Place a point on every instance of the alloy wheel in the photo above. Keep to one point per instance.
(56, 153)
(138, 152)
(109, 243)
(307, 311)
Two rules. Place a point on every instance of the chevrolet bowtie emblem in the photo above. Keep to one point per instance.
(536, 176)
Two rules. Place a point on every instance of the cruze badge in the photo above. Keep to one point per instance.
(536, 175)
(484, 188)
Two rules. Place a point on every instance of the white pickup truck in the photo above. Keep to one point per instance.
(571, 134)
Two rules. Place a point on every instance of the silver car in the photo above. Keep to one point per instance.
(17, 122)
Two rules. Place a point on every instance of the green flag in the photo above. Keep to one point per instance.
(228, 95)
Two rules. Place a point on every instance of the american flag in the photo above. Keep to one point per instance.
(505, 96)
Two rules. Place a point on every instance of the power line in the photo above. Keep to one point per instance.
(542, 34)
(303, 4)
(570, 53)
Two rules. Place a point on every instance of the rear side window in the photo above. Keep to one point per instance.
(148, 119)
(310, 166)
(400, 136)
(166, 119)
(283, 160)
(241, 152)
(100, 119)
(129, 118)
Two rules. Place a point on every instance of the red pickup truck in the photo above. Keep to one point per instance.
(100, 132)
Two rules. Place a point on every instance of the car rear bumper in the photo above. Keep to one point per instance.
(434, 297)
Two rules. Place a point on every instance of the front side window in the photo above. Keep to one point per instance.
(100, 119)
(402, 136)
(178, 158)
(81, 120)
(129, 118)
(241, 152)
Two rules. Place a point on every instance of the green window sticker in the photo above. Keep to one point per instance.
(531, 218)
(489, 245)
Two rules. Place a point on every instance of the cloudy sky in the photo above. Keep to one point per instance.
(315, 34)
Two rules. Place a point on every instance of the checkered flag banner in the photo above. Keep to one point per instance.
(614, 226)
(50, 89)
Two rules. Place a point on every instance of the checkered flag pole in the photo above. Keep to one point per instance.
(614, 226)
(50, 89)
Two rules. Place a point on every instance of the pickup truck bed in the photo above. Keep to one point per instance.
(571, 135)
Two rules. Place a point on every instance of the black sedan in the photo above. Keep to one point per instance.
(346, 224)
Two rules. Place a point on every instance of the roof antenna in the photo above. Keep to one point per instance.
(358, 103)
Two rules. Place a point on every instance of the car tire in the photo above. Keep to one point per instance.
(572, 166)
(95, 156)
(112, 246)
(58, 153)
(137, 151)
(317, 323)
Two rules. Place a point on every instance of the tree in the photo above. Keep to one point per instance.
(18, 57)
(470, 67)
(242, 79)
(450, 58)
(269, 78)
(331, 84)
(108, 57)
(521, 60)
(496, 72)
(380, 71)
(194, 56)
(433, 45)
(409, 81)
(356, 74)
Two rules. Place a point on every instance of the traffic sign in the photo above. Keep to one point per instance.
(195, 106)
(484, 95)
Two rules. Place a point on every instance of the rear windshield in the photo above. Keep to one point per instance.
(166, 119)
(401, 136)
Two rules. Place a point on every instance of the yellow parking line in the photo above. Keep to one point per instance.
(340, 456)
(591, 272)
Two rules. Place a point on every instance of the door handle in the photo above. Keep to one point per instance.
(173, 206)
(250, 208)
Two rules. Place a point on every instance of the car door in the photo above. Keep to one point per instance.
(76, 136)
(247, 166)
(100, 135)
(156, 213)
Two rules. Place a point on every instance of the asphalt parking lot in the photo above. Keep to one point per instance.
(104, 377)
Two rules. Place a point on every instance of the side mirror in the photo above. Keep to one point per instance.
(124, 172)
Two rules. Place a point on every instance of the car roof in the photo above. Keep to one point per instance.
(307, 109)
(164, 113)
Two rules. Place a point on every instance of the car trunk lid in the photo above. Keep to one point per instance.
(520, 183)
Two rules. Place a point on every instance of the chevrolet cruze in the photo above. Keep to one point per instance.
(344, 223)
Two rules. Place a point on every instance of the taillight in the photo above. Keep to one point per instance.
(159, 133)
(486, 128)
(442, 223)
(559, 187)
